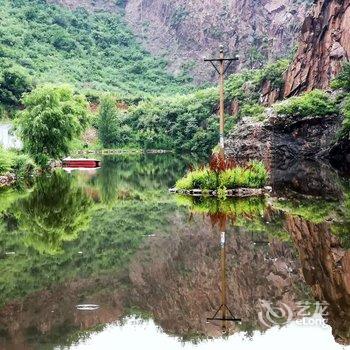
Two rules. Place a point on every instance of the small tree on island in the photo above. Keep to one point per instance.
(52, 118)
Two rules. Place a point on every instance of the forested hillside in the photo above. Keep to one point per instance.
(93, 51)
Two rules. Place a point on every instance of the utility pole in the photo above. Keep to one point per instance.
(221, 70)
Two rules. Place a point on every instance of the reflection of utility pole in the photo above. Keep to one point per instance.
(223, 313)
(221, 71)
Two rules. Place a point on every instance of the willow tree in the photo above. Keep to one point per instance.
(53, 117)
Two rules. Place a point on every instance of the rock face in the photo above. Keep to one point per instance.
(184, 31)
(324, 44)
(280, 139)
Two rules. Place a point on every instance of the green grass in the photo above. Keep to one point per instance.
(252, 176)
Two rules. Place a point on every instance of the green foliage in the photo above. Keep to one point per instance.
(92, 50)
(255, 111)
(113, 130)
(234, 207)
(253, 176)
(23, 166)
(181, 122)
(54, 115)
(200, 178)
(342, 81)
(6, 160)
(273, 73)
(54, 212)
(313, 103)
(14, 82)
(316, 211)
(107, 123)
(344, 133)
(246, 87)
(19, 164)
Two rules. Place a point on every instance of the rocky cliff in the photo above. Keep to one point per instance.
(184, 31)
(324, 44)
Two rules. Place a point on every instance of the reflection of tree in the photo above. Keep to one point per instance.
(54, 212)
(129, 177)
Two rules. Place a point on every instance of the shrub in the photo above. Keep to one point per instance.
(23, 166)
(342, 81)
(254, 175)
(313, 103)
(253, 110)
(344, 133)
(6, 159)
(14, 82)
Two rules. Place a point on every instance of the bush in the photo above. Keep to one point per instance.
(313, 103)
(344, 133)
(14, 82)
(199, 178)
(6, 159)
(342, 81)
(255, 111)
(23, 166)
(254, 175)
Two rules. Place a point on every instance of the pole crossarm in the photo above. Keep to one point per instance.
(230, 318)
(221, 70)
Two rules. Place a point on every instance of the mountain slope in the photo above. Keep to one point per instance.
(94, 51)
(184, 31)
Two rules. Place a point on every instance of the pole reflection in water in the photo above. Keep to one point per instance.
(223, 313)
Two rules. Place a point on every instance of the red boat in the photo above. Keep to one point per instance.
(81, 163)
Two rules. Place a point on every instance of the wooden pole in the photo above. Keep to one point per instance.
(221, 70)
(222, 102)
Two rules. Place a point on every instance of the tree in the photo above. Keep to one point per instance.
(107, 124)
(53, 117)
(14, 82)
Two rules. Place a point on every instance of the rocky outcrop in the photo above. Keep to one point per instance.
(324, 45)
(280, 138)
(7, 180)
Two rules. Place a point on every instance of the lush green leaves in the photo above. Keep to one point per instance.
(342, 81)
(94, 51)
(54, 115)
(313, 103)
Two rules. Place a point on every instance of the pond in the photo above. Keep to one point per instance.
(109, 259)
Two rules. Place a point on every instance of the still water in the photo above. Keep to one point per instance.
(109, 259)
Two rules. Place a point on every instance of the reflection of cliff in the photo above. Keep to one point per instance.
(175, 278)
(326, 268)
(180, 281)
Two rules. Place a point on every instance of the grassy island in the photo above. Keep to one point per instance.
(222, 174)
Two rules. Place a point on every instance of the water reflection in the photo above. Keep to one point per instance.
(116, 239)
